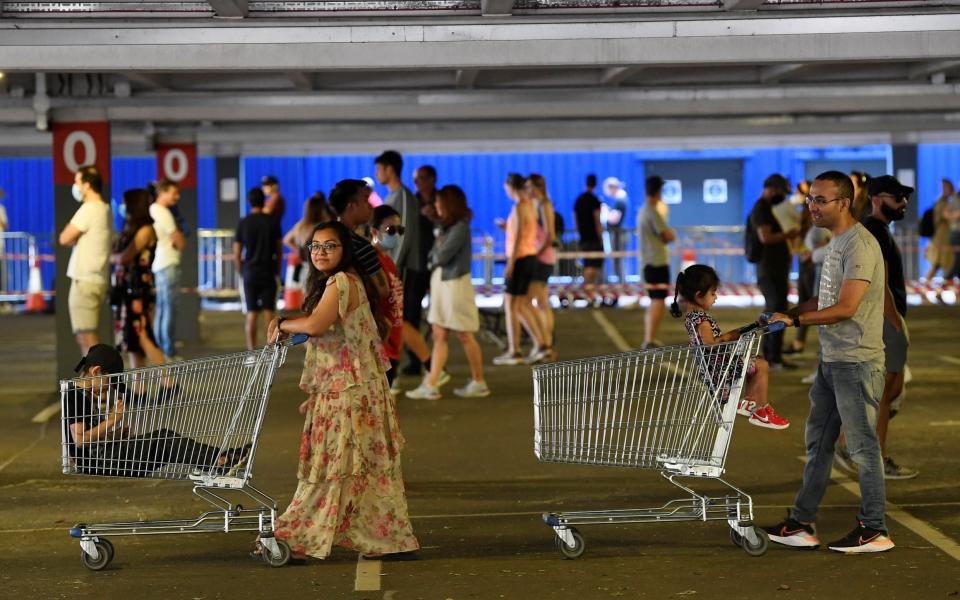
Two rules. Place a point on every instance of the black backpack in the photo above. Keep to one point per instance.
(927, 227)
(752, 248)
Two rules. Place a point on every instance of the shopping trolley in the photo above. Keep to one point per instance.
(670, 409)
(197, 421)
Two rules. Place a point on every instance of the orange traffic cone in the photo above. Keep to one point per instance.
(689, 257)
(35, 300)
(292, 289)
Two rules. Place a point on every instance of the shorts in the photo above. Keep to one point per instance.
(84, 302)
(592, 246)
(415, 285)
(660, 276)
(259, 294)
(519, 282)
(895, 348)
(542, 272)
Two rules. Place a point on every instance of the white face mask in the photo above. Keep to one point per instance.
(389, 241)
(77, 194)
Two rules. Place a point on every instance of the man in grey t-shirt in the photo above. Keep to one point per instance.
(655, 234)
(849, 383)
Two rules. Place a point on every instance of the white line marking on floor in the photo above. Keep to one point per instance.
(611, 331)
(26, 449)
(44, 415)
(953, 360)
(921, 528)
(944, 423)
(368, 576)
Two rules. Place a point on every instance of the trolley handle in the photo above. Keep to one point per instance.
(762, 323)
(294, 340)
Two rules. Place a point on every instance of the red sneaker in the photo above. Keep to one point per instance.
(765, 416)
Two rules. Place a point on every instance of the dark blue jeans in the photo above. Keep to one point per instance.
(844, 394)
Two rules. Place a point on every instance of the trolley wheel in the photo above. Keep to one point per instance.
(758, 549)
(278, 561)
(578, 545)
(735, 538)
(105, 549)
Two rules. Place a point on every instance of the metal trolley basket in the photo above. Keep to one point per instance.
(197, 421)
(670, 409)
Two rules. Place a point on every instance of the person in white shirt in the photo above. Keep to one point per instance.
(90, 233)
(166, 265)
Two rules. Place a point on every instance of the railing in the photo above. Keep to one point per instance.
(216, 271)
(18, 251)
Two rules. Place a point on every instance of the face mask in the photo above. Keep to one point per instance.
(77, 194)
(893, 214)
(389, 241)
(122, 211)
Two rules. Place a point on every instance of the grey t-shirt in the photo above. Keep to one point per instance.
(853, 255)
(409, 255)
(652, 249)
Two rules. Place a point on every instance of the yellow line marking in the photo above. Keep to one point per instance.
(951, 359)
(44, 415)
(368, 576)
(949, 423)
(611, 331)
(921, 528)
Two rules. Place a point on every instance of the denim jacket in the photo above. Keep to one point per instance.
(452, 251)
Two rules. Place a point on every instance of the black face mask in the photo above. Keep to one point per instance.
(893, 214)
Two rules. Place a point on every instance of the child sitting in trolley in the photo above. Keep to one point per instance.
(697, 288)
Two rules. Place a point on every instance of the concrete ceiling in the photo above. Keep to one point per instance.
(322, 77)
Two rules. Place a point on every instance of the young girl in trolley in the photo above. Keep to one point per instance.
(697, 288)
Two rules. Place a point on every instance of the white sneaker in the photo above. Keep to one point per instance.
(509, 358)
(809, 378)
(444, 378)
(424, 391)
(473, 389)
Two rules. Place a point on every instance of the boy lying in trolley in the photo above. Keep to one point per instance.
(100, 443)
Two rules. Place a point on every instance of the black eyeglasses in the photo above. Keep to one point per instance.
(324, 248)
(394, 229)
(820, 201)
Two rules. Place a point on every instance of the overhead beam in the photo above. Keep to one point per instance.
(151, 81)
(614, 76)
(56, 47)
(494, 8)
(775, 73)
(229, 9)
(926, 69)
(742, 4)
(301, 81)
(466, 78)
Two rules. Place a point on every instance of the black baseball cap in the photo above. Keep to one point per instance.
(888, 184)
(777, 182)
(269, 180)
(103, 356)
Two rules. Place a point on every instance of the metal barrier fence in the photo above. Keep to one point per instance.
(18, 251)
(216, 271)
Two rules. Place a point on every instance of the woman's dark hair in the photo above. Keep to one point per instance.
(454, 203)
(381, 214)
(316, 210)
(695, 279)
(317, 281)
(137, 202)
(515, 181)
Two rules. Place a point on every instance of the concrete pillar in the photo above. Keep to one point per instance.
(177, 161)
(80, 138)
(905, 170)
(229, 192)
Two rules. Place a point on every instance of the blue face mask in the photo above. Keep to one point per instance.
(122, 211)
(389, 241)
(77, 194)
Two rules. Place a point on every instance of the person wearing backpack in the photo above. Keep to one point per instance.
(773, 259)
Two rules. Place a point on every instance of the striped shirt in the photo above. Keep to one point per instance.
(365, 255)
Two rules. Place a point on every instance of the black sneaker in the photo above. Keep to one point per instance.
(862, 540)
(793, 533)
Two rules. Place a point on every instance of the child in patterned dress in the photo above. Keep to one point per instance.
(697, 288)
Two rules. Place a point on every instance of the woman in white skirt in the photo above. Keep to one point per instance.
(453, 307)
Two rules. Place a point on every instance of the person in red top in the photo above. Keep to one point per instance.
(386, 236)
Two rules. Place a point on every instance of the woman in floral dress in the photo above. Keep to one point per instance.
(350, 489)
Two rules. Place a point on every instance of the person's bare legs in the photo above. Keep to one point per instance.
(541, 294)
(892, 386)
(528, 314)
(250, 329)
(267, 317)
(510, 313)
(590, 275)
(652, 318)
(760, 382)
(438, 360)
(413, 340)
(474, 356)
(87, 340)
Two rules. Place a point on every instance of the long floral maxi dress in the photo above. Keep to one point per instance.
(350, 489)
